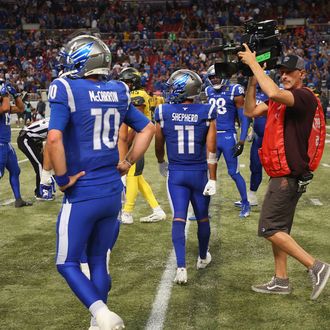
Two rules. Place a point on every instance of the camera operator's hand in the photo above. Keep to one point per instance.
(247, 57)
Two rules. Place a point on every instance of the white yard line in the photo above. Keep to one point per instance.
(23, 161)
(316, 201)
(325, 165)
(327, 141)
(159, 307)
(242, 165)
(7, 202)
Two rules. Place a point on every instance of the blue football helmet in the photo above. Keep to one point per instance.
(182, 85)
(84, 56)
(213, 80)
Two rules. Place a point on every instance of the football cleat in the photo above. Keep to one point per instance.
(21, 203)
(181, 276)
(108, 320)
(203, 263)
(156, 216)
(245, 210)
(126, 218)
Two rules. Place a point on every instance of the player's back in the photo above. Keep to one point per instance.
(223, 101)
(185, 128)
(5, 132)
(95, 110)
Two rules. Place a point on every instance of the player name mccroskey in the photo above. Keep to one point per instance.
(185, 117)
(103, 96)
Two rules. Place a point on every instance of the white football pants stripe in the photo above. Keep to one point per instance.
(63, 236)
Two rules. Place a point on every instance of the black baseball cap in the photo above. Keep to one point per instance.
(291, 62)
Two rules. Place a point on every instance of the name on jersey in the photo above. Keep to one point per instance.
(185, 117)
(103, 96)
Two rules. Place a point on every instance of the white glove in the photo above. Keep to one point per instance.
(163, 168)
(210, 188)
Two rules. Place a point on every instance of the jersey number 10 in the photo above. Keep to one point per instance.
(102, 128)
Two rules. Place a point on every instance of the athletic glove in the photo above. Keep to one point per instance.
(163, 168)
(46, 192)
(3, 91)
(11, 90)
(238, 149)
(47, 185)
(210, 188)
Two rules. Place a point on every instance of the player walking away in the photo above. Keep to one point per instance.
(30, 142)
(228, 100)
(189, 132)
(135, 181)
(8, 158)
(255, 165)
(86, 114)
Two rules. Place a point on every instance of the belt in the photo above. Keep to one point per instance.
(221, 131)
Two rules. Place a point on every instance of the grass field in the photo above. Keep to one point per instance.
(34, 296)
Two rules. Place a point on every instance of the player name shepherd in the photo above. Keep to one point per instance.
(103, 96)
(185, 117)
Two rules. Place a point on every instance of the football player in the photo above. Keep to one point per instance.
(189, 132)
(255, 165)
(228, 100)
(30, 142)
(87, 111)
(135, 181)
(8, 158)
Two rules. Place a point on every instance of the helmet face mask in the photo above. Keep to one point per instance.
(131, 77)
(84, 56)
(183, 85)
(213, 80)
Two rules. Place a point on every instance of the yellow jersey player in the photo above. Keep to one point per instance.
(135, 181)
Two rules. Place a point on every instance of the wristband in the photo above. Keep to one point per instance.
(212, 158)
(62, 180)
(127, 162)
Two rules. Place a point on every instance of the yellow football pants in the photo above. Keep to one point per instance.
(134, 185)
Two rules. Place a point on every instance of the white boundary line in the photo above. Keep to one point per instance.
(23, 161)
(7, 202)
(159, 307)
(316, 201)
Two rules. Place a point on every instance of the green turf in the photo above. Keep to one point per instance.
(34, 296)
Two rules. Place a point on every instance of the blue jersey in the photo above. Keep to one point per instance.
(89, 114)
(185, 128)
(223, 101)
(259, 123)
(5, 133)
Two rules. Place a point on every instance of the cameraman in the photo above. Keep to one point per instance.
(291, 113)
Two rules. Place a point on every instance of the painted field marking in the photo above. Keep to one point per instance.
(23, 161)
(159, 307)
(316, 201)
(242, 165)
(7, 202)
(325, 165)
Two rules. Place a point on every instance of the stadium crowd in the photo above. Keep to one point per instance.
(154, 40)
